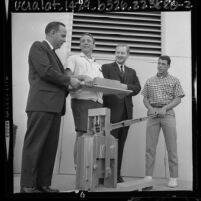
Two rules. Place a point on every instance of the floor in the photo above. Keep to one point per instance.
(66, 183)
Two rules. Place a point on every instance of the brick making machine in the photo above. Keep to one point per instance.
(97, 151)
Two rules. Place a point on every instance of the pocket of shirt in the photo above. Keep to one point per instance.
(169, 89)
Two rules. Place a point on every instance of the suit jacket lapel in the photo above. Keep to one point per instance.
(58, 61)
(121, 76)
(60, 66)
(116, 68)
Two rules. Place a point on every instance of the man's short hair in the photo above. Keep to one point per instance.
(165, 57)
(124, 45)
(88, 34)
(53, 26)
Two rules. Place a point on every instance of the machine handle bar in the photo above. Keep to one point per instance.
(130, 121)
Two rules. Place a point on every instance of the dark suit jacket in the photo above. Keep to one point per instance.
(48, 83)
(116, 104)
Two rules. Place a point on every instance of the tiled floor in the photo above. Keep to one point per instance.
(66, 183)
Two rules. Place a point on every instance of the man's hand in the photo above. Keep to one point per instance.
(85, 78)
(161, 112)
(152, 111)
(75, 83)
(121, 95)
(124, 86)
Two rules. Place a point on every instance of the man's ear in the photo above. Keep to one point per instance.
(52, 32)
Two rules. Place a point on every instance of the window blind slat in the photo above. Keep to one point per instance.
(121, 35)
(124, 15)
(114, 42)
(112, 50)
(81, 23)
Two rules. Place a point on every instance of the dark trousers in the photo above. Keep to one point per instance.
(39, 149)
(121, 135)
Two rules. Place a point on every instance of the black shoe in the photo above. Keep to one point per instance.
(29, 190)
(47, 189)
(120, 179)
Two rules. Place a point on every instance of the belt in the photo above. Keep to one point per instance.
(96, 101)
(157, 106)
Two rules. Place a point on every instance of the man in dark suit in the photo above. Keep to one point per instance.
(45, 106)
(121, 105)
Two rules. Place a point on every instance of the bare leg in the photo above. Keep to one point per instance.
(78, 134)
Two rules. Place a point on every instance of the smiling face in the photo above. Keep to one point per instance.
(121, 54)
(163, 66)
(87, 44)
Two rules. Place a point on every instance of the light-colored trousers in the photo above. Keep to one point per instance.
(168, 125)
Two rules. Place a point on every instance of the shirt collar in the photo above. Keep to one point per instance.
(120, 67)
(83, 55)
(49, 44)
(163, 76)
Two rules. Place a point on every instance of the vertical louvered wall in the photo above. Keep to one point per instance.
(140, 30)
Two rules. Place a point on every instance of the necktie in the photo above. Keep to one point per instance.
(122, 71)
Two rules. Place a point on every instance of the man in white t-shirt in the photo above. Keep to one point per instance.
(84, 68)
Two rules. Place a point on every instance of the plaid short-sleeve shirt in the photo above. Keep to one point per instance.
(162, 90)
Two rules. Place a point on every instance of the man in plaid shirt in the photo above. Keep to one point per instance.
(162, 93)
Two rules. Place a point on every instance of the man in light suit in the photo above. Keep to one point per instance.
(45, 106)
(121, 106)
